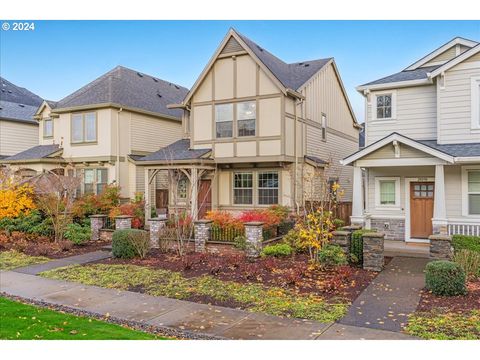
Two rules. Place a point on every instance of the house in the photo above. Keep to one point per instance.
(92, 132)
(18, 128)
(422, 148)
(254, 128)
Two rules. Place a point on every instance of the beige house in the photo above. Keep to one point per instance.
(92, 132)
(18, 128)
(254, 128)
(422, 148)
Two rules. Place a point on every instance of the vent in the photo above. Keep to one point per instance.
(300, 64)
(139, 74)
(177, 87)
(159, 95)
(307, 65)
(259, 48)
(231, 46)
(156, 80)
(21, 105)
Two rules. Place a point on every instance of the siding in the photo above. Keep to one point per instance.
(416, 109)
(445, 56)
(453, 191)
(388, 152)
(16, 137)
(455, 107)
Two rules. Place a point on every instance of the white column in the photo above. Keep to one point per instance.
(357, 217)
(439, 221)
(147, 197)
(194, 193)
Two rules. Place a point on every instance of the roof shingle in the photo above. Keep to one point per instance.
(417, 74)
(36, 152)
(456, 150)
(179, 150)
(17, 103)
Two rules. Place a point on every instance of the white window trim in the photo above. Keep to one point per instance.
(374, 105)
(378, 205)
(252, 188)
(465, 170)
(475, 103)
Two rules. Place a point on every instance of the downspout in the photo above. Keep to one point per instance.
(117, 163)
(297, 205)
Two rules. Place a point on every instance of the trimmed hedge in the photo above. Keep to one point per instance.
(471, 243)
(445, 278)
(277, 250)
(356, 245)
(129, 243)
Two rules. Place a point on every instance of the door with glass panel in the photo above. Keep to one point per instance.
(421, 209)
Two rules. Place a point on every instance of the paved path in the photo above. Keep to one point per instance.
(395, 293)
(72, 260)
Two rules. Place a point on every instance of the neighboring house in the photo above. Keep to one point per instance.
(91, 132)
(18, 128)
(254, 128)
(422, 153)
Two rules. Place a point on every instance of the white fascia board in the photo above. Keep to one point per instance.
(467, 159)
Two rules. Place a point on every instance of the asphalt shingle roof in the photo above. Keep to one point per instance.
(316, 160)
(292, 75)
(457, 150)
(130, 88)
(36, 152)
(179, 150)
(17, 103)
(417, 74)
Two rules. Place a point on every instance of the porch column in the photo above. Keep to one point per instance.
(439, 221)
(194, 193)
(357, 217)
(147, 197)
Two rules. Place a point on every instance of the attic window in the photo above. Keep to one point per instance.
(139, 74)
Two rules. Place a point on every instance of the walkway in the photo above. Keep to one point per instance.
(395, 293)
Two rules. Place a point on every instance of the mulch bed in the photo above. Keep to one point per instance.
(459, 304)
(293, 272)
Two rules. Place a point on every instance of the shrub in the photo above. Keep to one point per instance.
(91, 204)
(15, 199)
(338, 223)
(292, 239)
(356, 245)
(332, 255)
(466, 242)
(240, 242)
(77, 233)
(134, 209)
(224, 219)
(128, 243)
(268, 218)
(277, 250)
(445, 278)
(469, 261)
(31, 223)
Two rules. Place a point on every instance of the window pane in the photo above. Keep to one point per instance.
(268, 188)
(474, 181)
(90, 127)
(224, 112)
(224, 129)
(243, 196)
(88, 176)
(102, 176)
(246, 110)
(387, 100)
(48, 128)
(182, 188)
(246, 127)
(387, 192)
(380, 113)
(379, 101)
(77, 128)
(388, 112)
(474, 204)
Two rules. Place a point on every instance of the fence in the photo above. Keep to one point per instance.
(109, 224)
(343, 210)
(225, 234)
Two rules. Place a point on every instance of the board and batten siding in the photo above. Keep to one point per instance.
(16, 137)
(455, 109)
(416, 115)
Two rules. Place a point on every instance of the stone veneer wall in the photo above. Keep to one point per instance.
(396, 230)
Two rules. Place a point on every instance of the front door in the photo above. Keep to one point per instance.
(204, 198)
(421, 209)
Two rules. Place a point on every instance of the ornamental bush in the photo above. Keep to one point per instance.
(356, 245)
(445, 278)
(78, 234)
(277, 250)
(129, 243)
(466, 242)
(332, 255)
(469, 261)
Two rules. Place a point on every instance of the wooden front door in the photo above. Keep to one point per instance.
(161, 201)
(421, 209)
(204, 198)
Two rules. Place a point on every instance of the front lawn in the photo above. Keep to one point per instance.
(205, 288)
(13, 259)
(26, 322)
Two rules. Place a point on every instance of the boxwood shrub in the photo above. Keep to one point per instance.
(445, 278)
(129, 243)
(356, 245)
(332, 255)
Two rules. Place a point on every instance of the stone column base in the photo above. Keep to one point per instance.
(441, 247)
(373, 249)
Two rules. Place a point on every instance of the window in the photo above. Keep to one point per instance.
(268, 188)
(47, 128)
(88, 181)
(246, 118)
(243, 188)
(473, 191)
(384, 106)
(84, 127)
(94, 180)
(224, 120)
(387, 192)
(324, 127)
(102, 179)
(182, 188)
(475, 103)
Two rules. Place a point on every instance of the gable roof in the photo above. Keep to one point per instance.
(36, 152)
(455, 61)
(179, 150)
(17, 103)
(128, 88)
(417, 74)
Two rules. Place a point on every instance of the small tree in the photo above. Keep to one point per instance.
(16, 197)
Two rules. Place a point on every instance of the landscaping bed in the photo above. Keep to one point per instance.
(13, 259)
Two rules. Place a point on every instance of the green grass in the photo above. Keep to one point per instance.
(13, 259)
(445, 326)
(26, 322)
(270, 300)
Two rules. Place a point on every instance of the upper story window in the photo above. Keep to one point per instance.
(473, 189)
(324, 127)
(47, 128)
(84, 127)
(384, 106)
(475, 96)
(246, 118)
(224, 120)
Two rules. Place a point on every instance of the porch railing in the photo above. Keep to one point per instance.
(471, 229)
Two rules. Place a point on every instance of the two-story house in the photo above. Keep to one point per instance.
(18, 128)
(91, 132)
(422, 148)
(254, 128)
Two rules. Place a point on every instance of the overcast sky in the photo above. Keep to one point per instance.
(58, 57)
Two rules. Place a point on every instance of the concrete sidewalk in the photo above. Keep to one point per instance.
(176, 314)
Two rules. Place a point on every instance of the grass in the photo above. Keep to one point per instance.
(13, 259)
(159, 282)
(445, 326)
(27, 322)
